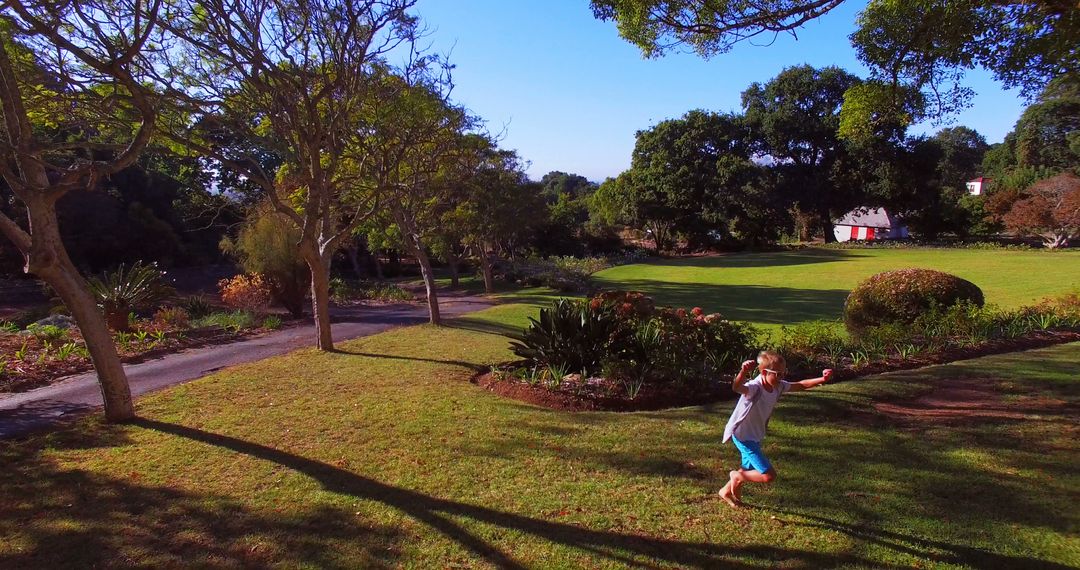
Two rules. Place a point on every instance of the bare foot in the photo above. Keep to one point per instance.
(725, 494)
(734, 484)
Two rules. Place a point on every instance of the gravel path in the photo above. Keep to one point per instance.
(36, 409)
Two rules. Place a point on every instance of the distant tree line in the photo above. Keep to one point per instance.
(782, 169)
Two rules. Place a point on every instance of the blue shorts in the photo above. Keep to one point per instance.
(752, 457)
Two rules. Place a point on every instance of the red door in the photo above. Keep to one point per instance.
(854, 232)
(869, 234)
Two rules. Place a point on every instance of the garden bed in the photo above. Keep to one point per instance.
(32, 371)
(575, 394)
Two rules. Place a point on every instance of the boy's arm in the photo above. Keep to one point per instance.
(739, 384)
(807, 384)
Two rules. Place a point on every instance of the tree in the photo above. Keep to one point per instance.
(1044, 142)
(498, 209)
(567, 198)
(266, 244)
(962, 152)
(917, 50)
(936, 172)
(689, 176)
(794, 119)
(414, 149)
(85, 64)
(1051, 209)
(292, 78)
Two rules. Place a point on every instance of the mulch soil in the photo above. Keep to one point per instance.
(578, 395)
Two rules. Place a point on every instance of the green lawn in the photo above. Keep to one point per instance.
(383, 455)
(774, 289)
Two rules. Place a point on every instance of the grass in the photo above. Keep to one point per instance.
(773, 289)
(382, 455)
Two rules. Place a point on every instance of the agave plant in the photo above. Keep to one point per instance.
(120, 292)
(568, 335)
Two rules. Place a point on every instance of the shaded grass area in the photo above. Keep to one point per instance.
(382, 455)
(772, 289)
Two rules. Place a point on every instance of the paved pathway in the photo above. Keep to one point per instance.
(36, 409)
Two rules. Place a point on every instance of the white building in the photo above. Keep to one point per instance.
(869, 224)
(975, 187)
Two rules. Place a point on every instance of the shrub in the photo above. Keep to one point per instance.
(122, 291)
(172, 317)
(234, 321)
(246, 292)
(266, 245)
(699, 348)
(272, 322)
(901, 296)
(196, 306)
(569, 334)
(343, 291)
(624, 337)
(8, 327)
(583, 265)
(1066, 306)
(814, 337)
(564, 274)
(388, 292)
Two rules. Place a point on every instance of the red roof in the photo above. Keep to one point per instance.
(980, 179)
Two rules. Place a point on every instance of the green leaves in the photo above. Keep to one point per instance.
(567, 335)
(129, 287)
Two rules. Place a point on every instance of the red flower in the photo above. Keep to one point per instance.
(681, 313)
(627, 308)
(697, 311)
(595, 304)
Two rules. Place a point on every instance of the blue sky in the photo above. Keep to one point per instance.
(568, 93)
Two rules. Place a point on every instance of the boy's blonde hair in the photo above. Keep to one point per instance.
(773, 361)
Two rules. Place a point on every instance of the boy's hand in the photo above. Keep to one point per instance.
(827, 374)
(748, 365)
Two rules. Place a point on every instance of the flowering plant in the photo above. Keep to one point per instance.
(622, 333)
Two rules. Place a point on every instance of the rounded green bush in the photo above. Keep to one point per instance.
(901, 296)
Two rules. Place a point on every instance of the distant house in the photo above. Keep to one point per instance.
(975, 187)
(869, 224)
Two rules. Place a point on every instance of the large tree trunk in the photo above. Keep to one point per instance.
(827, 227)
(413, 242)
(320, 299)
(378, 266)
(429, 284)
(485, 269)
(48, 260)
(1056, 240)
(455, 279)
(354, 259)
(288, 289)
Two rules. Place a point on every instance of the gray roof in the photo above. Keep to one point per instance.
(868, 217)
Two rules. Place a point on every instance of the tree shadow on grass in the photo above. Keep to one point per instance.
(469, 365)
(483, 326)
(751, 303)
(764, 259)
(56, 517)
(630, 550)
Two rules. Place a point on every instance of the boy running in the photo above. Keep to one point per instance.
(746, 428)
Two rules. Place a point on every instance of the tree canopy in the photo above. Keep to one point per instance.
(917, 50)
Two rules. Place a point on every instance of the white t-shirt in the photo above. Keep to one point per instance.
(751, 415)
